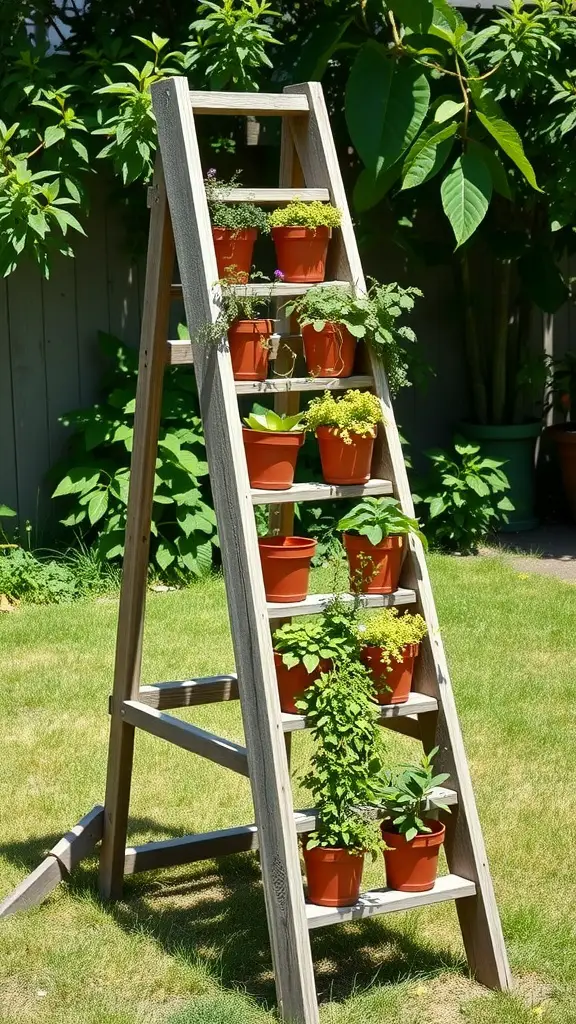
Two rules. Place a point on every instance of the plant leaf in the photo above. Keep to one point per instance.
(510, 142)
(466, 193)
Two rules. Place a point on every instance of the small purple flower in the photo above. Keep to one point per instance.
(211, 173)
(278, 275)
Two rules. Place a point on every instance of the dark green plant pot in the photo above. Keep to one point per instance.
(514, 445)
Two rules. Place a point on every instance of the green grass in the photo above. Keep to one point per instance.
(189, 945)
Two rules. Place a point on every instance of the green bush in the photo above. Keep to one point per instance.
(93, 480)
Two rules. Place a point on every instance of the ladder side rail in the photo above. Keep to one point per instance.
(242, 570)
(152, 360)
(465, 849)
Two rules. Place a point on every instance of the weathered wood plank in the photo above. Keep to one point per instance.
(260, 104)
(270, 290)
(182, 734)
(61, 349)
(386, 901)
(465, 851)
(188, 693)
(273, 196)
(8, 477)
(280, 384)
(317, 602)
(57, 865)
(91, 293)
(417, 704)
(128, 661)
(320, 492)
(179, 353)
(241, 562)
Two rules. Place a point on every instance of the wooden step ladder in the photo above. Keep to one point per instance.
(180, 226)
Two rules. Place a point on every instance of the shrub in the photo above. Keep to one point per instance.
(463, 497)
(23, 576)
(93, 480)
(356, 412)
(306, 215)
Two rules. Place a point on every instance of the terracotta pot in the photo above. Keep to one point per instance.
(334, 876)
(374, 568)
(234, 252)
(392, 685)
(293, 681)
(329, 352)
(286, 567)
(301, 253)
(249, 351)
(413, 866)
(271, 457)
(564, 437)
(344, 463)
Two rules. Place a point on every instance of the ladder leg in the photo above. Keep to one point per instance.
(155, 316)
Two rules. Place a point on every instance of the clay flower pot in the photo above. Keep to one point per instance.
(334, 876)
(564, 437)
(344, 463)
(293, 681)
(286, 567)
(413, 866)
(329, 352)
(301, 253)
(392, 685)
(234, 252)
(249, 349)
(374, 568)
(271, 457)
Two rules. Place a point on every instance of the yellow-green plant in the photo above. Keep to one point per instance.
(392, 633)
(356, 412)
(306, 215)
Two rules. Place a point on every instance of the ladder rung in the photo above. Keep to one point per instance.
(273, 196)
(189, 737)
(320, 492)
(317, 602)
(417, 704)
(186, 693)
(267, 290)
(260, 104)
(385, 901)
(179, 353)
(282, 384)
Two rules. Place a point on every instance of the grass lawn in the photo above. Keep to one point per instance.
(189, 945)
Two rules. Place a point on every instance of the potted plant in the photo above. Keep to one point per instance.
(272, 442)
(390, 643)
(333, 318)
(412, 843)
(301, 232)
(286, 567)
(235, 227)
(374, 538)
(344, 765)
(302, 650)
(248, 331)
(345, 428)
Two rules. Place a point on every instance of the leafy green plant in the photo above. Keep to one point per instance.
(464, 497)
(346, 760)
(94, 479)
(372, 317)
(230, 45)
(273, 422)
(355, 412)
(392, 633)
(403, 792)
(235, 301)
(5, 513)
(230, 215)
(320, 639)
(376, 518)
(25, 577)
(306, 215)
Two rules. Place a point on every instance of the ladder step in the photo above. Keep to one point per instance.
(187, 693)
(282, 384)
(267, 290)
(189, 737)
(417, 704)
(320, 492)
(317, 602)
(273, 196)
(260, 104)
(385, 901)
(179, 353)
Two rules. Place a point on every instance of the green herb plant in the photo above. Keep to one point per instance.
(373, 317)
(331, 636)
(463, 497)
(347, 758)
(233, 216)
(94, 478)
(377, 518)
(356, 412)
(306, 215)
(403, 792)
(273, 422)
(392, 633)
(235, 301)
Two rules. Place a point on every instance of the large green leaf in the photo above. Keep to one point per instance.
(370, 187)
(97, 506)
(494, 164)
(466, 193)
(386, 102)
(421, 158)
(414, 14)
(5, 511)
(510, 142)
(79, 480)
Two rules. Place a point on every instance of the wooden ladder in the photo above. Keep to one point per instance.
(180, 221)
